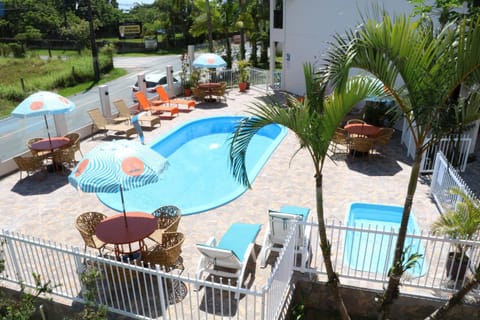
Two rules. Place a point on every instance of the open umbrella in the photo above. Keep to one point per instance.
(209, 60)
(117, 166)
(43, 103)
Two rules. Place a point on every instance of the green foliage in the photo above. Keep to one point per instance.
(92, 311)
(24, 308)
(298, 310)
(462, 222)
(243, 70)
(17, 50)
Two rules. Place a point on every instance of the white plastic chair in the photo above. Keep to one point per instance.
(279, 225)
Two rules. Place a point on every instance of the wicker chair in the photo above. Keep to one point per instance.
(199, 94)
(166, 254)
(29, 164)
(42, 154)
(340, 138)
(383, 137)
(220, 92)
(360, 145)
(64, 158)
(86, 223)
(168, 219)
(352, 121)
(74, 141)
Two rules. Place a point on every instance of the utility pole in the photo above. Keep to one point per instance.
(93, 44)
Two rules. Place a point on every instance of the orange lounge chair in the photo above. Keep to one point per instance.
(165, 99)
(145, 105)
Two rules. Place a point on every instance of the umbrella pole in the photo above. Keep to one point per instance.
(123, 206)
(48, 131)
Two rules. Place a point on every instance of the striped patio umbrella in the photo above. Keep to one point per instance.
(43, 103)
(117, 166)
(209, 60)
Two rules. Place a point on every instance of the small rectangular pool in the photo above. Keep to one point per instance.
(372, 249)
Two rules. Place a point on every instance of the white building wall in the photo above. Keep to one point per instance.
(309, 25)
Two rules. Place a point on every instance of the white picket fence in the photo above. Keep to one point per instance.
(360, 256)
(444, 178)
(453, 146)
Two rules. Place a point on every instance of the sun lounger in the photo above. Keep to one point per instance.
(101, 123)
(164, 98)
(125, 112)
(145, 105)
(231, 252)
(279, 225)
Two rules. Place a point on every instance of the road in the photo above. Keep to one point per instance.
(13, 129)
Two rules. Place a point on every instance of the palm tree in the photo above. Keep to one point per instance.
(313, 122)
(423, 71)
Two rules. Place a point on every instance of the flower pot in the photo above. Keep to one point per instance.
(242, 86)
(187, 92)
(456, 267)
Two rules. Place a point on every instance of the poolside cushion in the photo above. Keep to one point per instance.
(221, 257)
(301, 211)
(238, 237)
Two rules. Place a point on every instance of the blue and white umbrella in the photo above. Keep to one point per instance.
(116, 166)
(209, 60)
(43, 103)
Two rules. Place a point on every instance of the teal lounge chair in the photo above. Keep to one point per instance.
(279, 225)
(232, 252)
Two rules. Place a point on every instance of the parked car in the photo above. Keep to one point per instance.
(153, 80)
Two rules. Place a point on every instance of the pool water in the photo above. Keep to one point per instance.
(198, 177)
(373, 252)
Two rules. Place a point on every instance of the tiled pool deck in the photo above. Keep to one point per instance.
(47, 208)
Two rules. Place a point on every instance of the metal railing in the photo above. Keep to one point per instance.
(359, 256)
(364, 254)
(444, 178)
(456, 147)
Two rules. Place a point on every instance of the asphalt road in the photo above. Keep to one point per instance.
(13, 129)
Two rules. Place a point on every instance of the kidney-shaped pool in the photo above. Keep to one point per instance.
(198, 177)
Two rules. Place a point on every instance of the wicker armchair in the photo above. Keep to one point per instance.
(340, 138)
(42, 154)
(74, 141)
(64, 157)
(86, 223)
(28, 164)
(220, 92)
(352, 121)
(360, 145)
(168, 219)
(199, 94)
(166, 254)
(383, 137)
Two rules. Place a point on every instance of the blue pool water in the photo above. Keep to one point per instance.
(198, 176)
(373, 252)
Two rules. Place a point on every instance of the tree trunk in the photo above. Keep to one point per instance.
(456, 298)
(392, 291)
(333, 281)
(209, 27)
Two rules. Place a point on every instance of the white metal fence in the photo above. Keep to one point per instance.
(444, 178)
(456, 147)
(361, 257)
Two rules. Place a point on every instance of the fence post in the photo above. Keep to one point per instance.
(11, 251)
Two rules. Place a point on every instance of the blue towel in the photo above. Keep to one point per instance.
(304, 212)
(138, 127)
(238, 237)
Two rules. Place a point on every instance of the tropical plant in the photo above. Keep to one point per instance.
(314, 122)
(462, 222)
(423, 71)
(243, 70)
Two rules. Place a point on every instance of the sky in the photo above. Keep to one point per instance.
(127, 4)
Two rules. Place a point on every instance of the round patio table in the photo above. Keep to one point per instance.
(113, 230)
(50, 144)
(361, 129)
(208, 88)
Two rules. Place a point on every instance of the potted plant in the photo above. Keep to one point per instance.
(462, 222)
(185, 77)
(243, 73)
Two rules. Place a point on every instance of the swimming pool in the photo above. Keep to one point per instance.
(373, 251)
(198, 176)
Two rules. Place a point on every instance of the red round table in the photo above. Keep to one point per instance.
(208, 88)
(50, 144)
(113, 230)
(362, 129)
